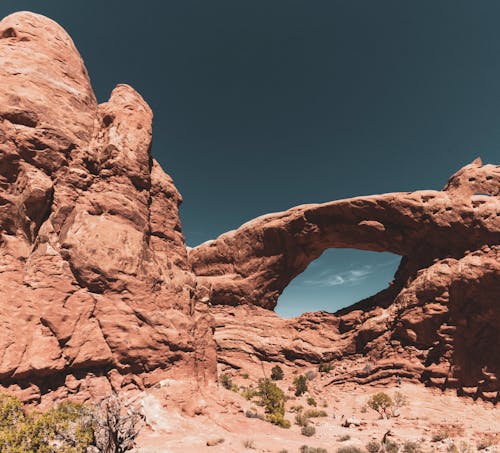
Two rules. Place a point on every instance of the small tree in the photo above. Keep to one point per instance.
(300, 385)
(277, 373)
(273, 400)
(117, 426)
(380, 402)
(325, 367)
(226, 381)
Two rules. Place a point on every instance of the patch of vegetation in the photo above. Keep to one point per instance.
(277, 373)
(373, 446)
(249, 393)
(344, 438)
(314, 413)
(308, 430)
(301, 419)
(311, 401)
(439, 436)
(307, 449)
(380, 402)
(296, 408)
(68, 427)
(226, 381)
(273, 400)
(411, 447)
(349, 449)
(300, 383)
(310, 375)
(325, 367)
(249, 444)
(245, 375)
(391, 447)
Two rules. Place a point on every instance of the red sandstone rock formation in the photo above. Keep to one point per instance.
(97, 290)
(94, 277)
(438, 322)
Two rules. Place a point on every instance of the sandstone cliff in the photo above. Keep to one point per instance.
(98, 291)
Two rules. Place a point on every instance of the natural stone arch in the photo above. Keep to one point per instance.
(253, 264)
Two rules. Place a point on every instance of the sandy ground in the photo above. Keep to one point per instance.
(179, 421)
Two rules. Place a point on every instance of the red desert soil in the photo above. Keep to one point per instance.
(180, 424)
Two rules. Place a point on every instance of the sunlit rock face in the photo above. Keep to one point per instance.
(438, 322)
(98, 291)
(94, 276)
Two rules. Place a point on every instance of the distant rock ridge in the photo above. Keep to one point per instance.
(99, 293)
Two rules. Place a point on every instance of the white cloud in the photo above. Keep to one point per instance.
(350, 277)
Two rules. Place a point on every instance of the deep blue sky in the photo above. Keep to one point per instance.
(263, 105)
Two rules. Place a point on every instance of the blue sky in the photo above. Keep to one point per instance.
(263, 105)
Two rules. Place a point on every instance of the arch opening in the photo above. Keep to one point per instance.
(337, 279)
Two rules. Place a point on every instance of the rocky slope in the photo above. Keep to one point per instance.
(98, 291)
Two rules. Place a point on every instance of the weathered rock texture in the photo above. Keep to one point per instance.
(97, 291)
(94, 276)
(438, 322)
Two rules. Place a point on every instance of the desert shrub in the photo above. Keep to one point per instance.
(349, 449)
(273, 400)
(411, 447)
(400, 399)
(314, 413)
(277, 373)
(311, 401)
(226, 381)
(452, 448)
(245, 376)
(67, 428)
(310, 375)
(300, 383)
(372, 447)
(391, 447)
(117, 425)
(296, 408)
(283, 451)
(325, 367)
(249, 444)
(308, 430)
(249, 393)
(439, 436)
(306, 449)
(344, 438)
(380, 402)
(301, 419)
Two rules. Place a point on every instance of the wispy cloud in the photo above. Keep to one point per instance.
(352, 277)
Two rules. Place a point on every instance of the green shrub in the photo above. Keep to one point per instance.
(314, 413)
(325, 367)
(344, 438)
(67, 428)
(301, 419)
(372, 447)
(306, 449)
(249, 393)
(380, 402)
(391, 447)
(411, 447)
(245, 376)
(300, 383)
(249, 444)
(308, 430)
(277, 373)
(349, 449)
(296, 408)
(311, 401)
(226, 381)
(439, 436)
(273, 401)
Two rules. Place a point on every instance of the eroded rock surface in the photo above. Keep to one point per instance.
(98, 291)
(94, 276)
(439, 320)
